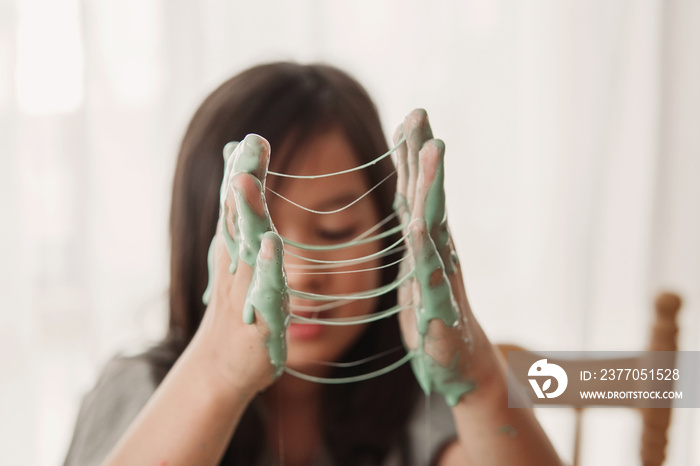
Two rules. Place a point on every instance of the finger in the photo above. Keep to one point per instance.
(228, 150)
(268, 296)
(400, 201)
(241, 187)
(430, 205)
(430, 192)
(436, 298)
(417, 130)
(252, 156)
(403, 212)
(230, 259)
(429, 202)
(252, 218)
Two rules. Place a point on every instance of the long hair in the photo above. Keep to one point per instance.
(290, 103)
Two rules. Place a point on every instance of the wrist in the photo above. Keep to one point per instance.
(217, 372)
(489, 377)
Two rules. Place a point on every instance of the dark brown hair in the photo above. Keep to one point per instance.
(288, 103)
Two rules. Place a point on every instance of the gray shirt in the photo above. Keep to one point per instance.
(127, 383)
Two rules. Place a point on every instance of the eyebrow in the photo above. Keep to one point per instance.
(338, 201)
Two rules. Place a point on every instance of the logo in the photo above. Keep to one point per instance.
(542, 369)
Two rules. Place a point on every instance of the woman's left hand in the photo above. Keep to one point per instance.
(438, 325)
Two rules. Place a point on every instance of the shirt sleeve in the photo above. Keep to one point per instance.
(430, 428)
(108, 409)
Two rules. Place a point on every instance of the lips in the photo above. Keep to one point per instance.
(298, 330)
(304, 331)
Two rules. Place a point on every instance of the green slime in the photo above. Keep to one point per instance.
(268, 294)
(437, 302)
(250, 227)
(435, 215)
(508, 430)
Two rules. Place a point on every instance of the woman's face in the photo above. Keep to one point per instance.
(328, 152)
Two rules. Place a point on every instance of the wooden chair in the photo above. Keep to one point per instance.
(664, 336)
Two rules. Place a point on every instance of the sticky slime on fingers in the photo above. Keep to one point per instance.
(437, 302)
(435, 215)
(268, 295)
(250, 226)
(268, 290)
(446, 380)
(247, 158)
(231, 246)
(434, 260)
(401, 207)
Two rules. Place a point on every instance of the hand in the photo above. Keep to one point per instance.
(438, 325)
(245, 322)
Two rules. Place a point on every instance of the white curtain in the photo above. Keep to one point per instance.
(573, 182)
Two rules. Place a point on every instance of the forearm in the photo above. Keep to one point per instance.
(490, 433)
(190, 419)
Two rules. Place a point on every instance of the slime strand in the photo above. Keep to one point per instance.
(349, 170)
(335, 211)
(356, 378)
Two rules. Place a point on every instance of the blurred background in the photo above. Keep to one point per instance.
(573, 182)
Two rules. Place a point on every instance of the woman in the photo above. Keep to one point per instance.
(223, 399)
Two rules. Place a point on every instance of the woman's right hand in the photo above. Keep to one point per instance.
(196, 409)
(243, 330)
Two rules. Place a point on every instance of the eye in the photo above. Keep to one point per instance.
(338, 234)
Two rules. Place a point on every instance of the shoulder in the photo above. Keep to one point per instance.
(123, 388)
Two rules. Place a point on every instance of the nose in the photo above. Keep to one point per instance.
(303, 275)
